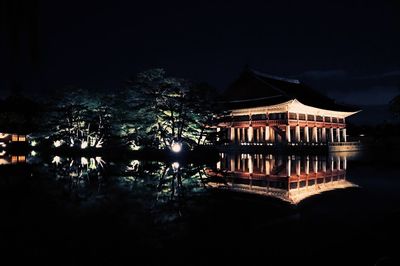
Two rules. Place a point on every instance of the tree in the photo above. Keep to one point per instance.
(169, 109)
(77, 118)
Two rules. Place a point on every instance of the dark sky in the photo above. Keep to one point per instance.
(349, 50)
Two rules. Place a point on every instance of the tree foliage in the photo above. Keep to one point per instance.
(78, 118)
(170, 109)
(152, 110)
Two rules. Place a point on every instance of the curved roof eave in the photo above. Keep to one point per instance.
(298, 106)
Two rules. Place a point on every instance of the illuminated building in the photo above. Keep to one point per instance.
(268, 110)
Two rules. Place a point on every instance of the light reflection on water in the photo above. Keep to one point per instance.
(291, 178)
(159, 193)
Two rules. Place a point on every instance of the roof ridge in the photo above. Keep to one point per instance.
(295, 81)
(255, 99)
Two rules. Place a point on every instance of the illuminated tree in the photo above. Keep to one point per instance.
(78, 118)
(169, 109)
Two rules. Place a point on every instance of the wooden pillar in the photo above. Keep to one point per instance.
(338, 134)
(261, 134)
(238, 134)
(250, 133)
(267, 133)
(323, 134)
(344, 135)
(314, 134)
(288, 139)
(306, 134)
(297, 133)
(272, 134)
(289, 166)
(331, 135)
(243, 134)
(232, 134)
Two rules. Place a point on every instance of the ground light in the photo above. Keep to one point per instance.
(175, 166)
(176, 147)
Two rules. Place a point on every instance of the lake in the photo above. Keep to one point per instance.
(338, 208)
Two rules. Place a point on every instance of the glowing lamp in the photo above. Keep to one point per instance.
(175, 166)
(176, 147)
(84, 144)
(56, 160)
(57, 143)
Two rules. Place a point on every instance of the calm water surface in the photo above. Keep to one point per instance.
(336, 209)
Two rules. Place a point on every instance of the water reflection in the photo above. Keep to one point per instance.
(163, 188)
(290, 178)
(11, 159)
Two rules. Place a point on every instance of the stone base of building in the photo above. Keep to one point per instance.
(344, 146)
(291, 148)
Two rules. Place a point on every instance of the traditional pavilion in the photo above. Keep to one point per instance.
(265, 109)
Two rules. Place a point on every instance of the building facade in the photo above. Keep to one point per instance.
(263, 109)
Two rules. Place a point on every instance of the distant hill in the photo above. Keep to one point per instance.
(372, 115)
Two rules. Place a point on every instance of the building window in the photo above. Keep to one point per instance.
(293, 116)
(302, 117)
(334, 119)
(327, 119)
(14, 137)
(259, 117)
(310, 118)
(277, 116)
(341, 120)
(319, 118)
(21, 138)
(241, 118)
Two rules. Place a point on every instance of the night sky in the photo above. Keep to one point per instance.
(349, 50)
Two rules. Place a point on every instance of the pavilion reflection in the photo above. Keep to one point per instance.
(290, 178)
(6, 159)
